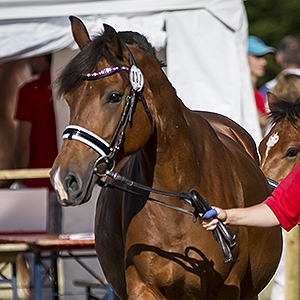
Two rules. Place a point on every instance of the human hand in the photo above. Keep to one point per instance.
(211, 223)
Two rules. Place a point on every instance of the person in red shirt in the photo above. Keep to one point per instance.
(36, 146)
(281, 208)
(36, 142)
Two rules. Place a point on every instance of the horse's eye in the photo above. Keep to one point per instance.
(292, 152)
(115, 97)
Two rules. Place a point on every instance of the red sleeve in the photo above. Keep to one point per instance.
(260, 102)
(285, 200)
(23, 109)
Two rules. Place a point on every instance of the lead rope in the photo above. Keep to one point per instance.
(222, 234)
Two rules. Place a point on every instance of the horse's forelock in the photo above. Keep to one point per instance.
(86, 60)
(286, 109)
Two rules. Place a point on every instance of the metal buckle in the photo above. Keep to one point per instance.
(110, 163)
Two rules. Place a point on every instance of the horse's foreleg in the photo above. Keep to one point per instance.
(230, 292)
(138, 290)
(231, 288)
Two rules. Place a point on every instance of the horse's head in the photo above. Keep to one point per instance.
(280, 149)
(109, 117)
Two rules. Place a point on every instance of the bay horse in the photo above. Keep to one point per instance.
(129, 128)
(279, 149)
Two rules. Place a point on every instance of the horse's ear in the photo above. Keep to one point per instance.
(80, 33)
(272, 99)
(113, 42)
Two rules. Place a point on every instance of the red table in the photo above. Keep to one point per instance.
(55, 244)
(50, 242)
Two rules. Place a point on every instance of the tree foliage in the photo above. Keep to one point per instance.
(271, 20)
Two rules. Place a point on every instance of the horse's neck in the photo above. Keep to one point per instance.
(183, 138)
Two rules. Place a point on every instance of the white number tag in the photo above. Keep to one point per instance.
(136, 78)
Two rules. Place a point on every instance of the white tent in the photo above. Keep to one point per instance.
(204, 41)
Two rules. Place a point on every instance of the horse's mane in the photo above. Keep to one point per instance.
(286, 109)
(86, 60)
(135, 38)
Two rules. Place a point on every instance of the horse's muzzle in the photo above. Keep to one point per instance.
(71, 189)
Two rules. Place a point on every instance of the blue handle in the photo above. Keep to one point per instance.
(210, 214)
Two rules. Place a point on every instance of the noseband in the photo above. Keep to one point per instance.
(108, 151)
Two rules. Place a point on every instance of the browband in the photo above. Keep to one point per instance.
(104, 72)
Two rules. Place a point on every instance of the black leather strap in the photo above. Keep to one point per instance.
(222, 234)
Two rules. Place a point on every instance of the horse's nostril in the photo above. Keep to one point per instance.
(72, 183)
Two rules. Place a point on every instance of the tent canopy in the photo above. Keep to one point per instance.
(206, 56)
(30, 27)
(28, 9)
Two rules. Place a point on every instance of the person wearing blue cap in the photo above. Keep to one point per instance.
(257, 50)
(257, 47)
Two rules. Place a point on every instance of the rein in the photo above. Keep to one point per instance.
(107, 152)
(222, 234)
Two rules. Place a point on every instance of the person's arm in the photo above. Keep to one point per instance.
(259, 215)
(22, 146)
(280, 208)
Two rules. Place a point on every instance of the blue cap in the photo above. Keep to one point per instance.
(257, 47)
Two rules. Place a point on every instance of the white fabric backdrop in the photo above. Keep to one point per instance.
(205, 42)
(208, 66)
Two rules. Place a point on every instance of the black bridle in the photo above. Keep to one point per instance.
(108, 151)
